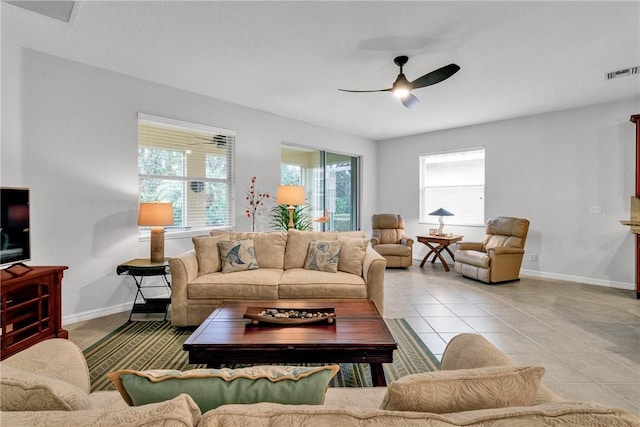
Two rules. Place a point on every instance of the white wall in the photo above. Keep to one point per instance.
(70, 134)
(550, 168)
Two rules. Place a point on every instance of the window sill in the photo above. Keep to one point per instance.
(447, 224)
(144, 236)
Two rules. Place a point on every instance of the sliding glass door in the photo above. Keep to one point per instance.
(331, 185)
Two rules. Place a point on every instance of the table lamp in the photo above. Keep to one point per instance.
(290, 195)
(441, 212)
(156, 215)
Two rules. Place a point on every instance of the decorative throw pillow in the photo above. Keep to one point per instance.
(208, 254)
(210, 388)
(298, 245)
(181, 411)
(464, 389)
(30, 391)
(270, 248)
(237, 255)
(323, 255)
(352, 254)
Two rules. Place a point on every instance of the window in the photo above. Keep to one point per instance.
(290, 174)
(189, 165)
(453, 181)
(331, 185)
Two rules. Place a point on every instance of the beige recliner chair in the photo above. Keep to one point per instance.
(388, 240)
(499, 256)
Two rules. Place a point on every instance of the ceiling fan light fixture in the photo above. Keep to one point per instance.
(401, 87)
(401, 93)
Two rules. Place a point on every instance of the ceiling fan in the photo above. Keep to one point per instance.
(219, 141)
(402, 87)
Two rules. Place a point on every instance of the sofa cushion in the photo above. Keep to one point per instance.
(237, 255)
(393, 249)
(477, 258)
(323, 255)
(552, 414)
(180, 411)
(352, 253)
(302, 283)
(389, 235)
(505, 231)
(211, 388)
(207, 252)
(32, 391)
(464, 389)
(251, 284)
(55, 357)
(269, 246)
(305, 277)
(298, 245)
(107, 399)
(362, 397)
(355, 233)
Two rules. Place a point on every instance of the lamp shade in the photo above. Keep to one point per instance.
(441, 212)
(290, 195)
(155, 214)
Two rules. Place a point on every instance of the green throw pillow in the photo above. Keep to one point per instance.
(323, 255)
(237, 255)
(211, 388)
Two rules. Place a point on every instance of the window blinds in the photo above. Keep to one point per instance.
(189, 165)
(453, 181)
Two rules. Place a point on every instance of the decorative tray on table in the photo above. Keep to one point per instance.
(290, 316)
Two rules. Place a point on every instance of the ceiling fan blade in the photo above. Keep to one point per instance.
(219, 141)
(364, 91)
(410, 101)
(435, 76)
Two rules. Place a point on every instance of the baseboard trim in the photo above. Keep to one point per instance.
(567, 278)
(92, 314)
(578, 279)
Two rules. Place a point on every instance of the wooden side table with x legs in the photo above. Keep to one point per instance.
(442, 243)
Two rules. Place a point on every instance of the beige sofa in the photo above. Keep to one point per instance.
(48, 384)
(199, 285)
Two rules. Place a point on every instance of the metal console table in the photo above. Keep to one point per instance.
(140, 268)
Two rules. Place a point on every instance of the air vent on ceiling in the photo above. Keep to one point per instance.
(621, 73)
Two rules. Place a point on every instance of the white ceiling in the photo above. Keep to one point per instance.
(289, 58)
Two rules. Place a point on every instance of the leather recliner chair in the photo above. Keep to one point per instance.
(389, 240)
(499, 256)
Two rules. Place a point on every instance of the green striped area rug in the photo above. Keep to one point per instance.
(158, 345)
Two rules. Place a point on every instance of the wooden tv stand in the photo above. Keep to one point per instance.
(30, 308)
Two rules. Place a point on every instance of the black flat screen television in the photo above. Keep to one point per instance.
(15, 243)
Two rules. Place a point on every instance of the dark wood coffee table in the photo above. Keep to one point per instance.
(358, 335)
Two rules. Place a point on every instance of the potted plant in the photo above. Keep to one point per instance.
(280, 217)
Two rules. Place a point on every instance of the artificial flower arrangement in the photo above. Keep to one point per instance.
(256, 203)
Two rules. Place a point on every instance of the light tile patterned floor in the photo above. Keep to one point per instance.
(587, 337)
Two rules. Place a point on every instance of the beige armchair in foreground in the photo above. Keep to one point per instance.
(499, 256)
(389, 240)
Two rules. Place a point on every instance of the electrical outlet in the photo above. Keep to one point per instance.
(596, 210)
(533, 257)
